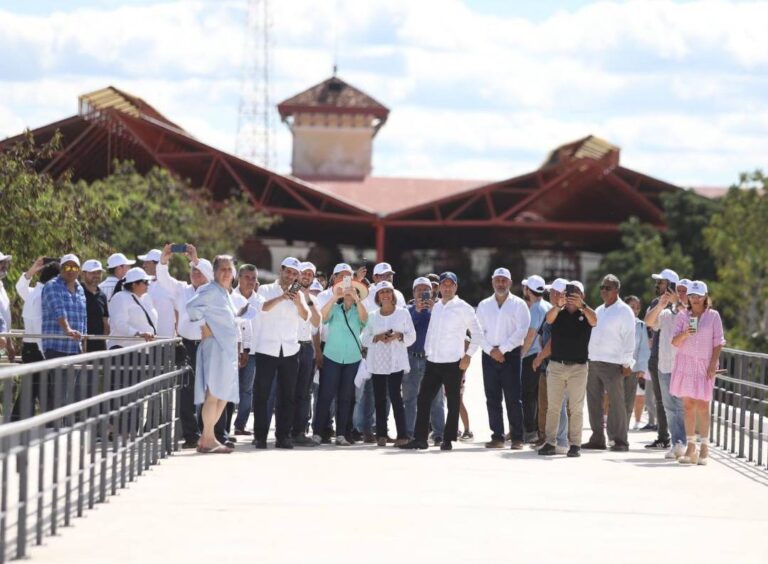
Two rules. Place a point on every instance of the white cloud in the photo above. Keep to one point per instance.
(679, 85)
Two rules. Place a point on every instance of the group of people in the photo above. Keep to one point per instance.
(337, 355)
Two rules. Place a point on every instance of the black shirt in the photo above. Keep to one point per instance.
(570, 337)
(96, 310)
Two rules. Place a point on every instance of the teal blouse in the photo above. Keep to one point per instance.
(341, 345)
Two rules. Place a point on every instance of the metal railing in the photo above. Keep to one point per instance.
(111, 416)
(739, 408)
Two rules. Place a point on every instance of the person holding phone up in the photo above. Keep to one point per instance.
(699, 338)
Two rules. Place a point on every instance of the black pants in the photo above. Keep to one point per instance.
(392, 384)
(530, 396)
(286, 368)
(437, 374)
(303, 401)
(661, 415)
(187, 411)
(30, 352)
(502, 381)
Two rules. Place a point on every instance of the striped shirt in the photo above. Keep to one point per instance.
(59, 302)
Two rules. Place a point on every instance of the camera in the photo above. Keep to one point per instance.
(571, 289)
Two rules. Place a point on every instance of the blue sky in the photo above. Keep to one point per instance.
(477, 89)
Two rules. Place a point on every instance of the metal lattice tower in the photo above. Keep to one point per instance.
(255, 120)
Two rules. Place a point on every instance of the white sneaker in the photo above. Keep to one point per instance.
(679, 449)
(342, 441)
(561, 450)
(636, 426)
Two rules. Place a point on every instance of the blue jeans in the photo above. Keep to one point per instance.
(411, 384)
(673, 408)
(365, 408)
(245, 376)
(336, 380)
(502, 381)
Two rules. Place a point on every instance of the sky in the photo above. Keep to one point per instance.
(478, 89)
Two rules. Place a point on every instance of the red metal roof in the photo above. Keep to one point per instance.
(333, 95)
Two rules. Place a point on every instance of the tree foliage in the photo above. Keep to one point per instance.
(736, 237)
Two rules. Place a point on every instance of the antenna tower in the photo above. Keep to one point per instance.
(255, 140)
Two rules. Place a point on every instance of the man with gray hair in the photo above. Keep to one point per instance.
(611, 356)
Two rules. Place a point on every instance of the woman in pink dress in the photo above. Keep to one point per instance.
(698, 337)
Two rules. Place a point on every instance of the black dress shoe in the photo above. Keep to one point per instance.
(659, 444)
(415, 445)
(356, 436)
(189, 444)
(593, 446)
(232, 438)
(258, 443)
(547, 450)
(574, 452)
(284, 443)
(228, 444)
(446, 445)
(620, 448)
(304, 441)
(242, 432)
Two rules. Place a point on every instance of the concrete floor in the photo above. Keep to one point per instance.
(366, 504)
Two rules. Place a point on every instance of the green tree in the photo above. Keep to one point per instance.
(643, 252)
(736, 237)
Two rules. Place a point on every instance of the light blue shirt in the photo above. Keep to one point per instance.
(538, 314)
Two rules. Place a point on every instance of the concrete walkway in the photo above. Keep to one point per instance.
(366, 504)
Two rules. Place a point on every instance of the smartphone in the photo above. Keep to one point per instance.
(693, 323)
(179, 248)
(295, 287)
(571, 289)
(49, 260)
(346, 282)
(672, 286)
(426, 296)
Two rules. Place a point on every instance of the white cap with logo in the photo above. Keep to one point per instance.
(119, 259)
(383, 268)
(135, 274)
(684, 282)
(422, 281)
(92, 265)
(291, 262)
(304, 266)
(578, 284)
(503, 272)
(558, 285)
(69, 258)
(666, 274)
(205, 267)
(342, 267)
(315, 286)
(697, 288)
(153, 255)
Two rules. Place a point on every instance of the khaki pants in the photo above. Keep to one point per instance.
(562, 379)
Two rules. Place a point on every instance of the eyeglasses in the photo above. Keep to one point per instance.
(70, 268)
(607, 288)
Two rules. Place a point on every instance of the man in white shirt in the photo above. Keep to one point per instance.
(161, 296)
(117, 265)
(201, 272)
(309, 345)
(611, 356)
(505, 320)
(451, 318)
(382, 272)
(277, 353)
(5, 303)
(247, 287)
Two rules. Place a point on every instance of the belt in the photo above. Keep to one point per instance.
(305, 342)
(418, 354)
(568, 362)
(185, 340)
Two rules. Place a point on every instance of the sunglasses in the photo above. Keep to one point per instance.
(70, 268)
(607, 288)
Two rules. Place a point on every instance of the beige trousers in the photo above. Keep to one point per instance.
(562, 379)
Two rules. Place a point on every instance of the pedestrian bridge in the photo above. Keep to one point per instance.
(370, 504)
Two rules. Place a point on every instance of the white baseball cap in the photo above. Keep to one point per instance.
(342, 267)
(119, 259)
(315, 286)
(684, 282)
(135, 274)
(382, 268)
(383, 285)
(205, 267)
(697, 288)
(503, 272)
(422, 281)
(578, 284)
(69, 258)
(668, 275)
(153, 255)
(558, 285)
(535, 283)
(304, 266)
(92, 265)
(291, 262)
(4, 257)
